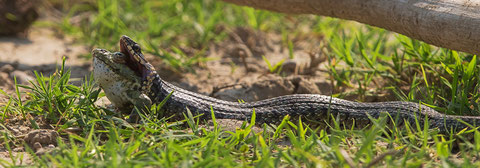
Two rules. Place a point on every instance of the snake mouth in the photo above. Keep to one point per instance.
(132, 50)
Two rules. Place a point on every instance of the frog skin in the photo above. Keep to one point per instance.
(119, 82)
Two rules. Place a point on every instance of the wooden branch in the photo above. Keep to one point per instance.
(453, 24)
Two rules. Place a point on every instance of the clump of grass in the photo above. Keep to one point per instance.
(277, 68)
(56, 100)
(440, 78)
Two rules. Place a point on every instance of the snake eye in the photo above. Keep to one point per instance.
(136, 48)
(119, 57)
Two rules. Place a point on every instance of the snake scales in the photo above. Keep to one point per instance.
(312, 108)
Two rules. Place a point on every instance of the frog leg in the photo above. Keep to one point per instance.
(140, 102)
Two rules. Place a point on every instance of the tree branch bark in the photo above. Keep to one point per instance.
(453, 24)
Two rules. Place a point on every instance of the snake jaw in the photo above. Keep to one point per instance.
(137, 62)
(132, 60)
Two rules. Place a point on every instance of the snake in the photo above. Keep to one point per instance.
(311, 109)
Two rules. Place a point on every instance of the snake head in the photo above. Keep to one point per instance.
(136, 61)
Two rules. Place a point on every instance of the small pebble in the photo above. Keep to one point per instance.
(37, 146)
(7, 68)
(18, 149)
(23, 128)
(5, 80)
(22, 77)
(289, 66)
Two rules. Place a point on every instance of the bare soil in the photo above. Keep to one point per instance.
(238, 70)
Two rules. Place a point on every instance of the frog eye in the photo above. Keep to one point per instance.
(136, 48)
(119, 57)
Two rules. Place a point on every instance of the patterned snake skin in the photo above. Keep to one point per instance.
(314, 109)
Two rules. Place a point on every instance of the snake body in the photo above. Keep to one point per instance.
(311, 107)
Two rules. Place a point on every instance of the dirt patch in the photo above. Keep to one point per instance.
(20, 131)
(16, 158)
(240, 71)
(41, 137)
(42, 140)
(41, 52)
(268, 86)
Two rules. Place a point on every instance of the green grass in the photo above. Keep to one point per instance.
(277, 68)
(363, 59)
(161, 25)
(107, 141)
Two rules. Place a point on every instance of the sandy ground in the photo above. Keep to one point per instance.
(41, 47)
(41, 52)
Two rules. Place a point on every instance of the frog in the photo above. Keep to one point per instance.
(121, 84)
